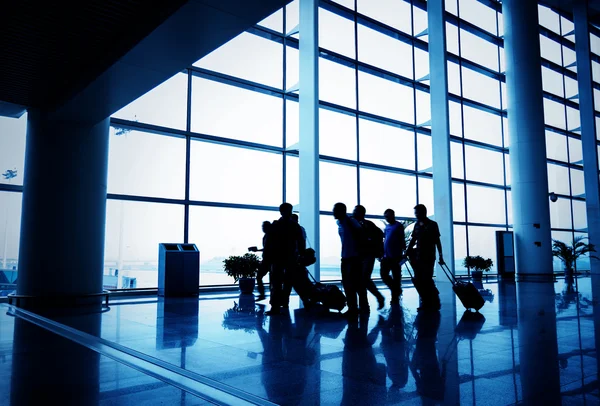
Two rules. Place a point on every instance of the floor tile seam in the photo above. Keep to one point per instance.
(196, 384)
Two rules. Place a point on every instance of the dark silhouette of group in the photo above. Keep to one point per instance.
(362, 243)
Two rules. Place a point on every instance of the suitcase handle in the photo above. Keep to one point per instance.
(448, 274)
(403, 261)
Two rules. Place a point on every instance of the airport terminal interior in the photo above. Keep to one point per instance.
(143, 145)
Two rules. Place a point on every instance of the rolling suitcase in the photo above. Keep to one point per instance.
(427, 291)
(466, 291)
(313, 292)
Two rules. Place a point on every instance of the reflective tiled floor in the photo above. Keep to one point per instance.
(541, 351)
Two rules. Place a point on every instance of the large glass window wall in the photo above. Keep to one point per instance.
(208, 155)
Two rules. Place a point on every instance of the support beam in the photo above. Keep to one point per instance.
(442, 191)
(531, 212)
(588, 130)
(309, 124)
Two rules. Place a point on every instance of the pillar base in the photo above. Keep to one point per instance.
(90, 302)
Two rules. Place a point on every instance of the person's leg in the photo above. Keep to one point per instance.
(276, 282)
(348, 284)
(288, 281)
(396, 280)
(360, 284)
(385, 274)
(262, 272)
(430, 299)
(369, 263)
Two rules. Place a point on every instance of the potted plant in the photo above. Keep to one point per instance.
(477, 264)
(569, 254)
(243, 269)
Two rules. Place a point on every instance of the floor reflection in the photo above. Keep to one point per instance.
(532, 343)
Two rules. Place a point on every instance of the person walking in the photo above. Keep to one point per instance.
(265, 264)
(421, 253)
(371, 248)
(393, 252)
(349, 230)
(285, 243)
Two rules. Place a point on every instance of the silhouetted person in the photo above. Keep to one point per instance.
(349, 230)
(265, 265)
(371, 248)
(394, 348)
(429, 377)
(364, 378)
(421, 252)
(284, 244)
(393, 252)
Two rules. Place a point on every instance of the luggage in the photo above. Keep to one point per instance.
(312, 292)
(428, 292)
(469, 325)
(466, 291)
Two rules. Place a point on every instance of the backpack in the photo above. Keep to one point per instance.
(373, 240)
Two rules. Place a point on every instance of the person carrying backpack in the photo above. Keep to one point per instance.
(371, 247)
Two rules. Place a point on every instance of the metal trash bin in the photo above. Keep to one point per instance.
(178, 270)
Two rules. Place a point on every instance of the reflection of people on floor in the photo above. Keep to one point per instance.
(364, 377)
(395, 348)
(429, 377)
(285, 344)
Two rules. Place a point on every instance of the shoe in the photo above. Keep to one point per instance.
(260, 297)
(380, 302)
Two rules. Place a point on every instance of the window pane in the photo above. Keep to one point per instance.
(243, 176)
(424, 153)
(420, 22)
(573, 120)
(558, 179)
(579, 215)
(596, 71)
(386, 145)
(482, 241)
(452, 38)
(556, 146)
(478, 50)
(454, 79)
(133, 232)
(426, 195)
(292, 15)
(384, 52)
(274, 21)
(575, 151)
(577, 183)
(460, 249)
(550, 50)
(484, 165)
(232, 112)
(548, 19)
(423, 109)
(560, 213)
(455, 119)
(571, 88)
(337, 83)
(292, 65)
(552, 82)
(456, 154)
(482, 126)
(10, 233)
(165, 105)
(567, 237)
(381, 190)
(595, 44)
(337, 134)
(421, 64)
(12, 149)
(554, 114)
(507, 168)
(338, 183)
(211, 230)
(249, 57)
(331, 248)
(146, 164)
(292, 180)
(336, 33)
(394, 13)
(485, 205)
(479, 14)
(292, 123)
(458, 201)
(386, 98)
(480, 88)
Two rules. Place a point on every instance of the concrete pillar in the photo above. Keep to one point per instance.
(309, 124)
(531, 213)
(588, 130)
(64, 208)
(442, 189)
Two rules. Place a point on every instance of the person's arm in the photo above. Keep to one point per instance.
(301, 241)
(438, 244)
